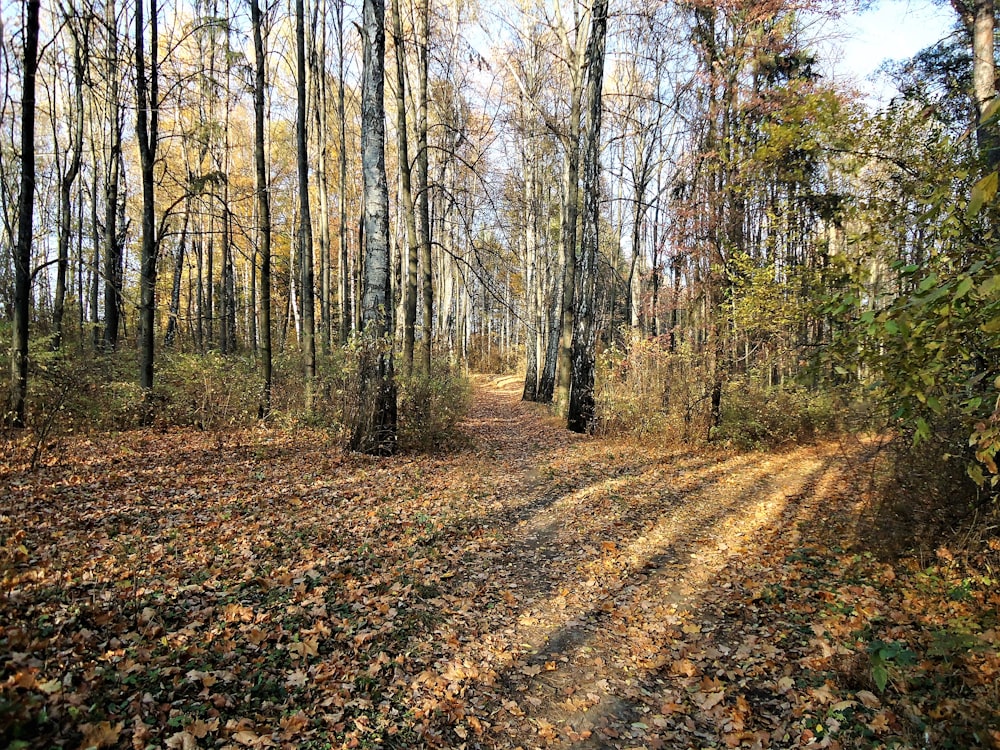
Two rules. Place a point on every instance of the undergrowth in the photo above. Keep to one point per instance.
(73, 395)
(647, 390)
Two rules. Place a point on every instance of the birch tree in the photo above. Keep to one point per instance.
(374, 430)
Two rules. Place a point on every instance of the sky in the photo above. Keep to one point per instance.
(893, 30)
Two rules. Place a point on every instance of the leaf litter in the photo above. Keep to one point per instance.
(183, 589)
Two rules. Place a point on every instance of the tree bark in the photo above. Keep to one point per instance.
(984, 79)
(423, 187)
(22, 254)
(533, 327)
(409, 214)
(147, 120)
(581, 412)
(66, 193)
(374, 430)
(113, 271)
(173, 321)
(263, 210)
(305, 219)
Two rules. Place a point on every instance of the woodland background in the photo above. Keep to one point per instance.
(240, 238)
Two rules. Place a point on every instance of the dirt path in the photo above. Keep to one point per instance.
(534, 588)
(605, 575)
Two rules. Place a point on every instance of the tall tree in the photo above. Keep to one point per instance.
(147, 123)
(580, 412)
(979, 19)
(423, 183)
(263, 206)
(25, 216)
(69, 175)
(375, 427)
(406, 191)
(305, 239)
(344, 266)
(113, 208)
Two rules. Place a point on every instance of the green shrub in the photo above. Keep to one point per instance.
(755, 416)
(209, 390)
(431, 408)
(921, 494)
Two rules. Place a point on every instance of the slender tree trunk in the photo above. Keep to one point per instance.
(66, 194)
(344, 266)
(113, 271)
(305, 219)
(22, 255)
(571, 197)
(147, 119)
(173, 321)
(263, 209)
(228, 323)
(547, 382)
(210, 296)
(532, 332)
(984, 79)
(375, 427)
(410, 287)
(317, 67)
(95, 274)
(581, 412)
(199, 251)
(423, 186)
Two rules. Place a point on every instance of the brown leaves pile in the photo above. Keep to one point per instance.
(264, 590)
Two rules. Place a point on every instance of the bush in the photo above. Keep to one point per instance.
(431, 408)
(754, 416)
(629, 389)
(207, 390)
(72, 393)
(646, 390)
(921, 494)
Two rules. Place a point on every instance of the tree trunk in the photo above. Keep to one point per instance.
(113, 271)
(547, 381)
(984, 80)
(318, 81)
(95, 274)
(147, 118)
(533, 323)
(173, 321)
(66, 193)
(305, 219)
(410, 287)
(571, 197)
(263, 209)
(344, 276)
(374, 430)
(581, 413)
(25, 206)
(228, 324)
(423, 187)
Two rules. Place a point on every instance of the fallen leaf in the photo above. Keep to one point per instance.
(711, 700)
(182, 741)
(103, 734)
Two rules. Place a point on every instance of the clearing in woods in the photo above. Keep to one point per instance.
(535, 588)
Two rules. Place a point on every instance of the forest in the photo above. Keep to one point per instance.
(565, 373)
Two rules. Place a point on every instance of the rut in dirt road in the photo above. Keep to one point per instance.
(612, 563)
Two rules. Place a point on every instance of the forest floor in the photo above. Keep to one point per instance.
(532, 588)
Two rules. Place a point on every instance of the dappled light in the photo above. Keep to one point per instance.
(535, 589)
